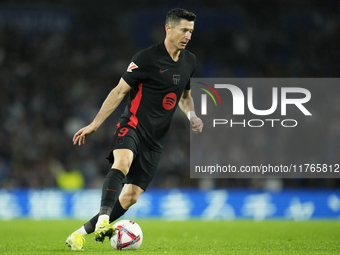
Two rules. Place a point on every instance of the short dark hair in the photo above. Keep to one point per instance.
(174, 16)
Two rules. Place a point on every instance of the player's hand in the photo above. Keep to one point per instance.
(80, 136)
(197, 124)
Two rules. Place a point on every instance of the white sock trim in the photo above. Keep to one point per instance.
(81, 231)
(101, 218)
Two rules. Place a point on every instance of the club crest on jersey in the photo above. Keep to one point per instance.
(131, 67)
(176, 79)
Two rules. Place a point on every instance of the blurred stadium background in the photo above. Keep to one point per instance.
(59, 59)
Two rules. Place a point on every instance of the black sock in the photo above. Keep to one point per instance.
(111, 188)
(117, 212)
(91, 224)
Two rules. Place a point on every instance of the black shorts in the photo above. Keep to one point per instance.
(145, 161)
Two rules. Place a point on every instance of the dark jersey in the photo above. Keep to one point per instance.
(157, 85)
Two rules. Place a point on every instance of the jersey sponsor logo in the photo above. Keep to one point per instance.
(176, 79)
(169, 101)
(131, 67)
(163, 70)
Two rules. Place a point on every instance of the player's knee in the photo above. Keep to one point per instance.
(123, 165)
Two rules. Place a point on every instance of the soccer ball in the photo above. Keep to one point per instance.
(128, 235)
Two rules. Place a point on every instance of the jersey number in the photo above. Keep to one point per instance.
(123, 131)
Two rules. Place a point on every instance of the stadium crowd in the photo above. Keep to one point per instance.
(52, 82)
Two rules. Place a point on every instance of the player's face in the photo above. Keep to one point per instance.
(180, 35)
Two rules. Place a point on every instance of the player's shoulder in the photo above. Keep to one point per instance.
(146, 55)
(189, 59)
(189, 55)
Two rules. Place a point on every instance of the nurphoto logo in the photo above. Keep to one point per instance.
(239, 100)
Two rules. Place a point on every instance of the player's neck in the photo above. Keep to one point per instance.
(172, 50)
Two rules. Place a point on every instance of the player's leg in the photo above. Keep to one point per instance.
(89, 227)
(111, 189)
(130, 192)
(110, 192)
(127, 198)
(123, 151)
(129, 195)
(77, 239)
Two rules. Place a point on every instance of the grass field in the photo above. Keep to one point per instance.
(187, 237)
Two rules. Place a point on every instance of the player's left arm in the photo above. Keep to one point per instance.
(186, 104)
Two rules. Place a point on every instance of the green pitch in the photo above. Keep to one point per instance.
(187, 237)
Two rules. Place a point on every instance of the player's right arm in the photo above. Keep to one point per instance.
(109, 105)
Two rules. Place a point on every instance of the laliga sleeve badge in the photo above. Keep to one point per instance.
(131, 67)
